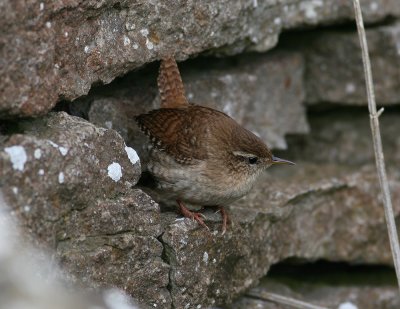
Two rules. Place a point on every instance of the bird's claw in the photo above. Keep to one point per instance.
(195, 216)
(199, 217)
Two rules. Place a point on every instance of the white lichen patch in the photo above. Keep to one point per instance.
(114, 171)
(37, 154)
(144, 32)
(63, 150)
(135, 46)
(130, 26)
(127, 41)
(149, 44)
(61, 177)
(86, 49)
(347, 305)
(277, 21)
(53, 144)
(205, 258)
(17, 156)
(132, 155)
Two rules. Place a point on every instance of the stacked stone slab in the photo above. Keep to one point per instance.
(71, 182)
(58, 50)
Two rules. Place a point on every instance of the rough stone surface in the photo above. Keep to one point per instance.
(327, 295)
(113, 235)
(334, 70)
(344, 137)
(58, 165)
(316, 212)
(312, 12)
(29, 279)
(52, 50)
(113, 243)
(264, 93)
(69, 184)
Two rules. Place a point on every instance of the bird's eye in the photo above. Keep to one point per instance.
(253, 160)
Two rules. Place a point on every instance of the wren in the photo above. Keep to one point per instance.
(199, 155)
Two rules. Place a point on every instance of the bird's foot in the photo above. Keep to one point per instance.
(225, 218)
(196, 216)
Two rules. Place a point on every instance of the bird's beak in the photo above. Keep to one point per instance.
(276, 160)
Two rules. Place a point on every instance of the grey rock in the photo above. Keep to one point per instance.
(69, 184)
(264, 93)
(30, 279)
(114, 244)
(62, 163)
(53, 51)
(306, 13)
(334, 70)
(344, 137)
(111, 113)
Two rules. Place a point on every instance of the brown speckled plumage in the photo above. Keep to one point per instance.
(197, 154)
(195, 132)
(172, 92)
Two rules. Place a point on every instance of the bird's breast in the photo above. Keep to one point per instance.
(196, 183)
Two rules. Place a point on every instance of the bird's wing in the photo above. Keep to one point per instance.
(180, 132)
(170, 85)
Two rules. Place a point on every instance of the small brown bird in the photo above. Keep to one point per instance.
(199, 155)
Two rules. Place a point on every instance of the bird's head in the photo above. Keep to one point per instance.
(251, 154)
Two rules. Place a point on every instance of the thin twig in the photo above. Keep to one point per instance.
(376, 137)
(280, 299)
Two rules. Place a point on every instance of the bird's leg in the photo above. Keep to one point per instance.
(192, 215)
(225, 218)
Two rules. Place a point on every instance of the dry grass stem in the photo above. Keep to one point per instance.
(287, 301)
(376, 137)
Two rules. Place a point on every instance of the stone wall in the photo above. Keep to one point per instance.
(73, 75)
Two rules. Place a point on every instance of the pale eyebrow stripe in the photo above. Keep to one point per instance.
(244, 154)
